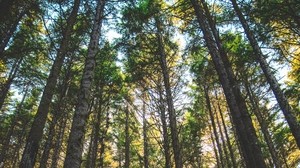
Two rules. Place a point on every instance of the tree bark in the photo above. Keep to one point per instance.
(214, 147)
(36, 132)
(263, 125)
(246, 133)
(211, 116)
(76, 138)
(57, 114)
(280, 97)
(102, 141)
(11, 77)
(169, 98)
(163, 119)
(145, 136)
(59, 140)
(5, 145)
(234, 165)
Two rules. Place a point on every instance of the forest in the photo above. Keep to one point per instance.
(150, 83)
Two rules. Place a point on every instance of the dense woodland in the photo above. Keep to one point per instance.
(149, 83)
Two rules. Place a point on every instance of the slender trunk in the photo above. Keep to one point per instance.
(163, 119)
(214, 147)
(234, 165)
(171, 110)
(6, 36)
(245, 130)
(76, 138)
(223, 141)
(6, 86)
(280, 97)
(48, 144)
(127, 139)
(145, 137)
(59, 141)
(208, 104)
(97, 131)
(102, 141)
(19, 146)
(91, 147)
(5, 145)
(57, 114)
(264, 126)
(36, 132)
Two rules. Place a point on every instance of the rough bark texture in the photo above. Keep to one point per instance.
(36, 132)
(280, 97)
(246, 133)
(76, 138)
(169, 98)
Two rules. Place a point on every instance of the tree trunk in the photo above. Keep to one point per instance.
(171, 110)
(5, 145)
(145, 136)
(127, 139)
(214, 147)
(246, 133)
(263, 125)
(36, 132)
(280, 97)
(76, 138)
(6, 86)
(234, 165)
(163, 119)
(97, 131)
(59, 141)
(102, 141)
(57, 114)
(208, 105)
(227, 163)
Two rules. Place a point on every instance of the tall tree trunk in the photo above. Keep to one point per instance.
(163, 119)
(57, 114)
(102, 141)
(5, 145)
(36, 132)
(11, 77)
(214, 147)
(91, 147)
(280, 97)
(97, 130)
(264, 126)
(167, 85)
(127, 139)
(227, 163)
(145, 136)
(76, 138)
(212, 119)
(246, 133)
(19, 146)
(59, 141)
(234, 165)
